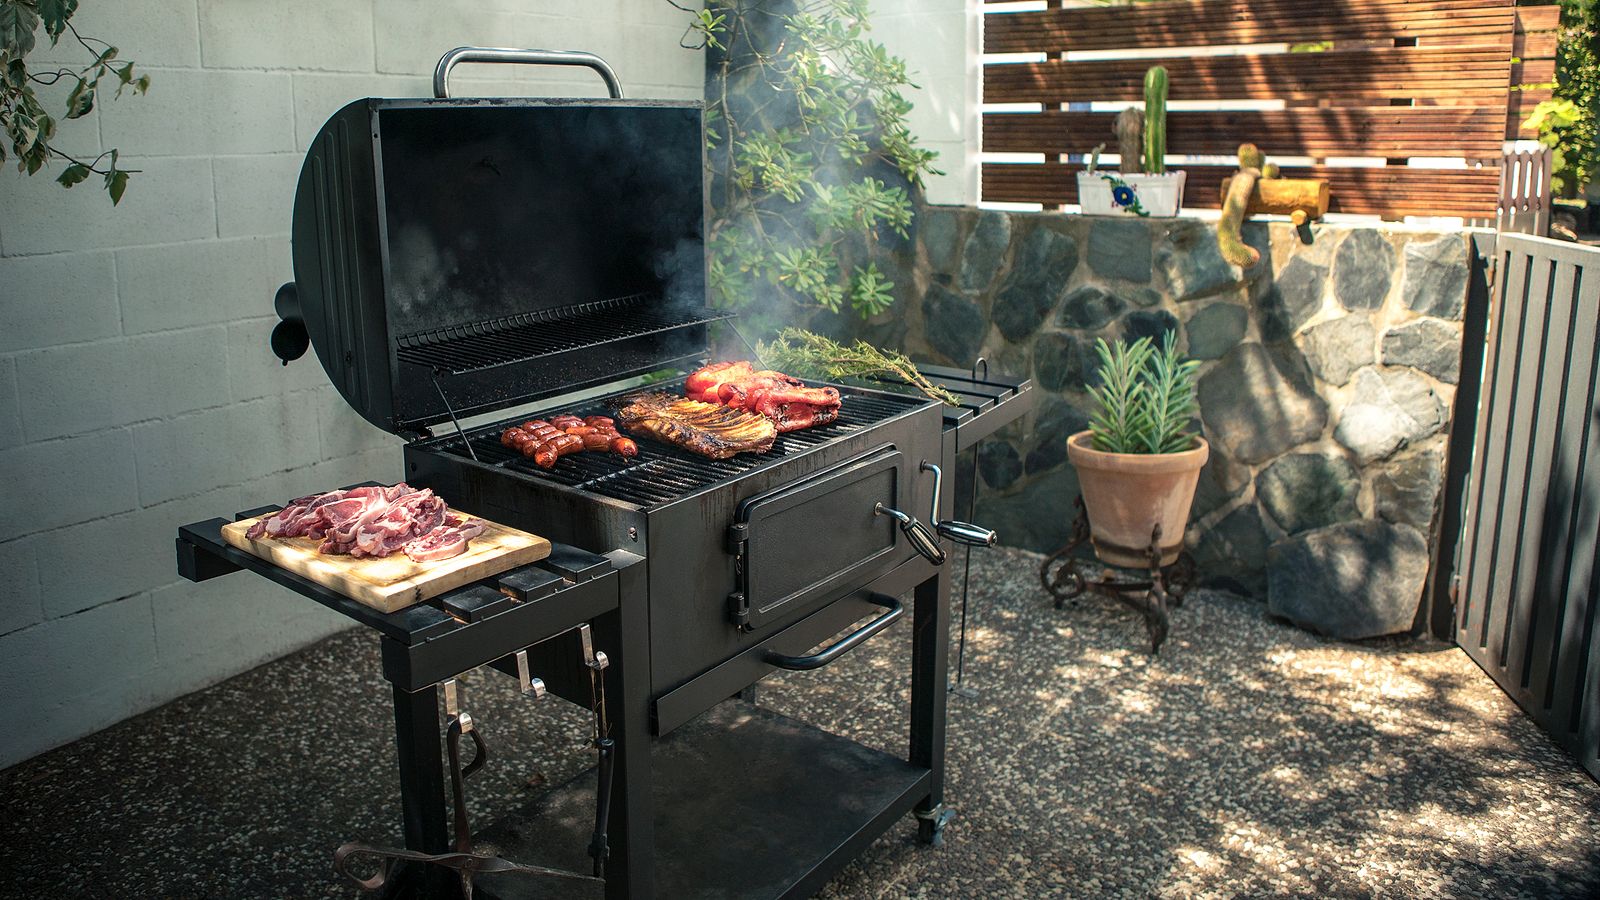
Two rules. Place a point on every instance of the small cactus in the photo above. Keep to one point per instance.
(1155, 120)
(1230, 228)
(1130, 137)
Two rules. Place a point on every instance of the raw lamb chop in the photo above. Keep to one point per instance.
(373, 521)
(444, 541)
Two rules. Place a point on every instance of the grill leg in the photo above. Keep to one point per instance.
(630, 871)
(930, 659)
(416, 728)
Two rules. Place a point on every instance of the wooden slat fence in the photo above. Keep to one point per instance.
(1527, 591)
(1398, 79)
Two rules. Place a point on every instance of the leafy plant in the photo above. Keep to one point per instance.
(810, 157)
(811, 355)
(1569, 123)
(1145, 399)
(28, 126)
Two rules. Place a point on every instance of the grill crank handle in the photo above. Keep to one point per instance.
(922, 540)
(960, 532)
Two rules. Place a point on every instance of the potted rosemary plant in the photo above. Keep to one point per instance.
(1143, 186)
(1139, 461)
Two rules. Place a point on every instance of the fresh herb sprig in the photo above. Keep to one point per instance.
(804, 353)
(1145, 399)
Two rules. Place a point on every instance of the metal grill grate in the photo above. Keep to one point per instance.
(661, 473)
(502, 342)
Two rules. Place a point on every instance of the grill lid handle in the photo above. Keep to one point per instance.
(441, 72)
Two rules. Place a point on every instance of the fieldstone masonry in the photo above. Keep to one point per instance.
(1327, 377)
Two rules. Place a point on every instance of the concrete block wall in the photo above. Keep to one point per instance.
(938, 39)
(137, 392)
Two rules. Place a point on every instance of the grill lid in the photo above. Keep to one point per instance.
(457, 256)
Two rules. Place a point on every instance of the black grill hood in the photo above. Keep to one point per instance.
(467, 255)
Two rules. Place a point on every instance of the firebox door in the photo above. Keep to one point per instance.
(808, 542)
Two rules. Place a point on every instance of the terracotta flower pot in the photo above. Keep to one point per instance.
(1128, 493)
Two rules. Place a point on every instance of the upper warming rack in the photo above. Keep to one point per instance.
(529, 336)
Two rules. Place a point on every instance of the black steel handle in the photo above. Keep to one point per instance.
(894, 610)
(441, 72)
(922, 540)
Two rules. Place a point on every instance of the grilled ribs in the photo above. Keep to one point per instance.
(708, 429)
(782, 398)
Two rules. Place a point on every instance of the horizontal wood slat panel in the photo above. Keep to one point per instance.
(1538, 45)
(1392, 191)
(1212, 22)
(1403, 73)
(1389, 131)
(1538, 18)
(1403, 78)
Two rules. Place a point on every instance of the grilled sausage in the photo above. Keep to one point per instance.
(546, 442)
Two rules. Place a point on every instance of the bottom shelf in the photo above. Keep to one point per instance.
(748, 803)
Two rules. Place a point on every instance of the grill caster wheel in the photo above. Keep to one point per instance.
(930, 825)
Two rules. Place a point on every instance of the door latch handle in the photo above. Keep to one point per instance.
(959, 532)
(922, 540)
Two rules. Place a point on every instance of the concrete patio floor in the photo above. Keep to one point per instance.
(1249, 759)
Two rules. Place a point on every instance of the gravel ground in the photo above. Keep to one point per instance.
(1249, 759)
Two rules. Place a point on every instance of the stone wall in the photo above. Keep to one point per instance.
(1328, 371)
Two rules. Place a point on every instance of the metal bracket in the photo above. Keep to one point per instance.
(452, 705)
(525, 680)
(455, 421)
(940, 815)
(594, 659)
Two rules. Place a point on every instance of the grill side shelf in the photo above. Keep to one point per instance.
(436, 637)
(989, 402)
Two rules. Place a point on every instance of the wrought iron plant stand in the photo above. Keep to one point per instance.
(1152, 594)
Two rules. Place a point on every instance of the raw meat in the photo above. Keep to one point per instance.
(444, 541)
(372, 521)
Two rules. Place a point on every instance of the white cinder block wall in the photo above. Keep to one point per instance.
(137, 392)
(938, 39)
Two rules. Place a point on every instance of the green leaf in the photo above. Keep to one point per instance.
(73, 174)
(55, 14)
(81, 101)
(116, 183)
(17, 24)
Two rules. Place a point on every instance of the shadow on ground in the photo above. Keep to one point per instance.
(1248, 759)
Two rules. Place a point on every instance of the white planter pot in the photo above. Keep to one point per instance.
(1160, 196)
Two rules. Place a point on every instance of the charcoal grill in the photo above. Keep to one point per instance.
(465, 264)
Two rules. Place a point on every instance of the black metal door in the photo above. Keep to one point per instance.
(1525, 578)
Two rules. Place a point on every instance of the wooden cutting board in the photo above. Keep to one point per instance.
(395, 582)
